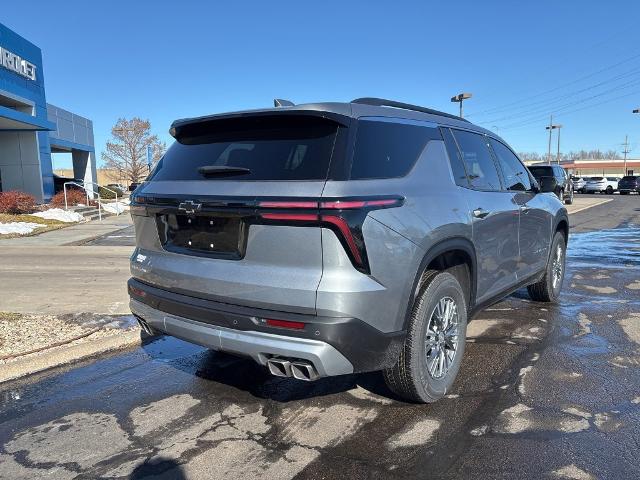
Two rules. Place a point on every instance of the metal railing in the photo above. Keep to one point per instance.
(86, 191)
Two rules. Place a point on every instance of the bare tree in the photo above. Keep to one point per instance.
(127, 150)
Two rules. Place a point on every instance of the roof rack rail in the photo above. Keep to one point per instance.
(381, 102)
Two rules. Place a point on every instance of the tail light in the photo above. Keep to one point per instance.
(345, 216)
(137, 205)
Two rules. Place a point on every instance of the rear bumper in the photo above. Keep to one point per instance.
(335, 346)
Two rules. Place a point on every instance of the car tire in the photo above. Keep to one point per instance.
(569, 199)
(549, 287)
(434, 346)
(609, 190)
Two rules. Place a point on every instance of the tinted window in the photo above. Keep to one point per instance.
(284, 148)
(455, 158)
(514, 173)
(479, 165)
(629, 177)
(596, 178)
(388, 149)
(540, 172)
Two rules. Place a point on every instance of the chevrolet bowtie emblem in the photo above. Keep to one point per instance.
(190, 206)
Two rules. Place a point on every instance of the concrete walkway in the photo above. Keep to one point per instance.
(59, 280)
(74, 235)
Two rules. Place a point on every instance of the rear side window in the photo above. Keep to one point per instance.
(479, 165)
(514, 173)
(386, 149)
(459, 175)
(271, 148)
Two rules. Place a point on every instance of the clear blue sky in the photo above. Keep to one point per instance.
(166, 60)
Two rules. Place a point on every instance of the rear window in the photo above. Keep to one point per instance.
(387, 149)
(597, 179)
(271, 148)
(629, 177)
(541, 171)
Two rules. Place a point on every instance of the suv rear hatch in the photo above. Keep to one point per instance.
(203, 223)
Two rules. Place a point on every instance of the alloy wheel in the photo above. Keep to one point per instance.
(557, 267)
(441, 343)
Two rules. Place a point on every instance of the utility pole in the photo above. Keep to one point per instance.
(551, 127)
(625, 151)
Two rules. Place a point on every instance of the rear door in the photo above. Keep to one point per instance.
(199, 232)
(534, 232)
(494, 214)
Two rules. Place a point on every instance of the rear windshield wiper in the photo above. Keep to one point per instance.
(222, 170)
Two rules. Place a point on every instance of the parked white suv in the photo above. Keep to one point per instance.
(601, 185)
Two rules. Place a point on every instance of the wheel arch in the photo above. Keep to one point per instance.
(451, 254)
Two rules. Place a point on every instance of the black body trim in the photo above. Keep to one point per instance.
(367, 348)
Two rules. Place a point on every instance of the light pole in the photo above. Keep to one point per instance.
(551, 127)
(461, 97)
(637, 110)
(559, 126)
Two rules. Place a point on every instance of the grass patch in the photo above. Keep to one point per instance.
(9, 317)
(48, 224)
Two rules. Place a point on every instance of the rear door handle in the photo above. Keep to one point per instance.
(480, 213)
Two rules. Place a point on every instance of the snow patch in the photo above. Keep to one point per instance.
(61, 215)
(21, 228)
(114, 207)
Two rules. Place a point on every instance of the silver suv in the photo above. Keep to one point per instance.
(332, 238)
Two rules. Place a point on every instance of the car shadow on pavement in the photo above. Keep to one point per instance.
(246, 375)
(159, 468)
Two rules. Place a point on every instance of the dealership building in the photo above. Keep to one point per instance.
(32, 130)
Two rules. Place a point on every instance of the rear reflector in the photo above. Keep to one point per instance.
(285, 324)
(137, 292)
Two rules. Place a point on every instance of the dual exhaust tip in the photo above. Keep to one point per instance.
(299, 369)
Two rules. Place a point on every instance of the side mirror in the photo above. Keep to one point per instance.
(547, 184)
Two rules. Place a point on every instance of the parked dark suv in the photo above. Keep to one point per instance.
(332, 238)
(563, 187)
(629, 184)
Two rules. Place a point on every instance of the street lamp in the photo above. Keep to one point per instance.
(461, 97)
(552, 127)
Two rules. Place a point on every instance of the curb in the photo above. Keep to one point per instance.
(35, 363)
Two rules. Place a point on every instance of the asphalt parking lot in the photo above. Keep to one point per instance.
(544, 392)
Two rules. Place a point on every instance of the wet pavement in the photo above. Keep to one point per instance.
(543, 392)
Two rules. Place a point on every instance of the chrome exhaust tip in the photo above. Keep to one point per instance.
(145, 326)
(304, 371)
(279, 367)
